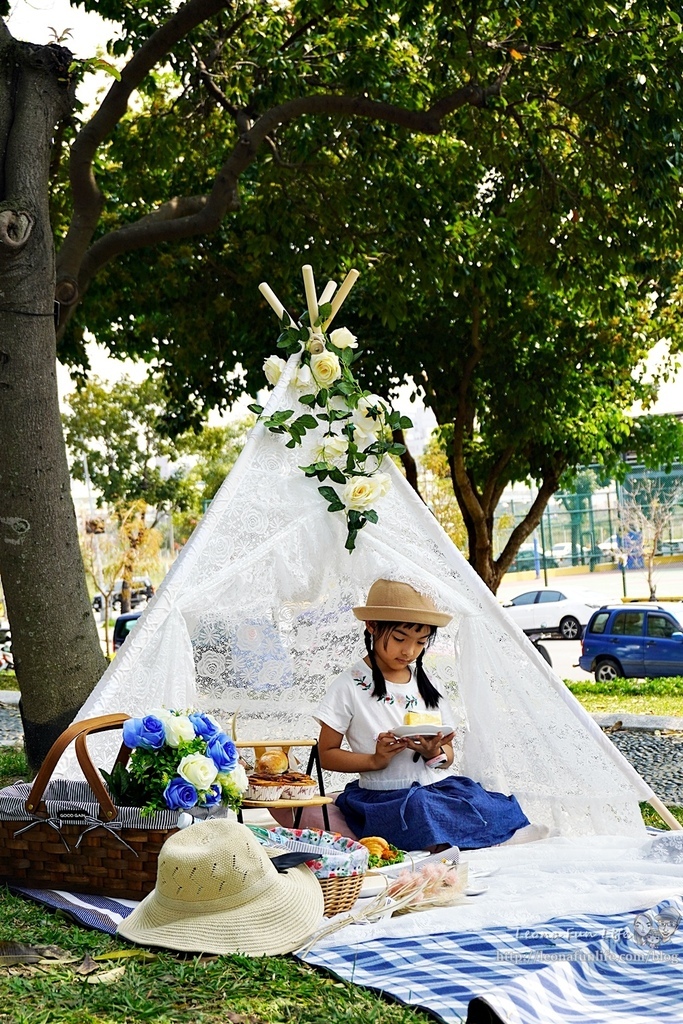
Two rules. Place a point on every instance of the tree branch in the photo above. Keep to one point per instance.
(224, 195)
(530, 521)
(88, 200)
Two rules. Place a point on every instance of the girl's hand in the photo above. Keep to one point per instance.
(386, 748)
(428, 746)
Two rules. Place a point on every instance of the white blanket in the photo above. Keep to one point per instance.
(534, 882)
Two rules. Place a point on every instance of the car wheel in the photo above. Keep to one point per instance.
(570, 628)
(543, 651)
(607, 670)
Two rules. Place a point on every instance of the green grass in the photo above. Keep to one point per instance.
(632, 696)
(171, 989)
(8, 680)
(13, 765)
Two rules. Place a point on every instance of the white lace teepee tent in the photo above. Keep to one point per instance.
(255, 617)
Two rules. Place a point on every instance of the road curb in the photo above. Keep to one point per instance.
(640, 723)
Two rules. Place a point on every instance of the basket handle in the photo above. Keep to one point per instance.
(77, 732)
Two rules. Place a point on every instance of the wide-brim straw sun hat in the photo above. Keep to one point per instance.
(218, 892)
(391, 601)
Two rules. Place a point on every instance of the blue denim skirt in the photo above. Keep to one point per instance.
(455, 810)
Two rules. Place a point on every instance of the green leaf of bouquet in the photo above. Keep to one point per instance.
(279, 417)
(337, 476)
(292, 443)
(329, 494)
(286, 320)
(321, 399)
(322, 474)
(306, 399)
(336, 506)
(396, 449)
(255, 408)
(325, 310)
(371, 515)
(405, 422)
(351, 540)
(306, 422)
(347, 355)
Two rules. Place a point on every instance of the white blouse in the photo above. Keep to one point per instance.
(348, 707)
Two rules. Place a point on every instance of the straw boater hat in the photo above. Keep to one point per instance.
(389, 601)
(218, 892)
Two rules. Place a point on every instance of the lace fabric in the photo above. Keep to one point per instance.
(254, 618)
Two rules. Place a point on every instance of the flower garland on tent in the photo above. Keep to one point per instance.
(358, 425)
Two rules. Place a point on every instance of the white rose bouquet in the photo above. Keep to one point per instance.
(358, 426)
(179, 760)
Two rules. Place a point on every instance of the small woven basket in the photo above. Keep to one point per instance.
(340, 893)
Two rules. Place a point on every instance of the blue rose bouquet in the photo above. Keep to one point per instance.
(179, 760)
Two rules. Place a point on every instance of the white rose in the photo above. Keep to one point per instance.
(384, 481)
(342, 338)
(368, 416)
(362, 492)
(178, 728)
(332, 448)
(163, 714)
(273, 367)
(326, 368)
(238, 778)
(198, 770)
(303, 377)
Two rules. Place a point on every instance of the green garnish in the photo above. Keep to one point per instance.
(374, 861)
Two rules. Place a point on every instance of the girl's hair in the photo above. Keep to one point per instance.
(429, 693)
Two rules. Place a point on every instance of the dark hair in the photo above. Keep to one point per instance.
(429, 693)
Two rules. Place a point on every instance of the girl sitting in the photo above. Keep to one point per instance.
(405, 792)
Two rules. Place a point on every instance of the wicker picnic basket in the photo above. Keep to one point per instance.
(61, 834)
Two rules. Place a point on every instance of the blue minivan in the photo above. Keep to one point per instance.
(641, 640)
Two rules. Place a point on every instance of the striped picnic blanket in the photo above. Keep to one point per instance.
(590, 969)
(619, 969)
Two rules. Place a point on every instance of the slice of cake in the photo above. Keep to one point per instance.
(422, 718)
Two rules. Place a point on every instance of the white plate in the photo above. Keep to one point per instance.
(421, 730)
(412, 857)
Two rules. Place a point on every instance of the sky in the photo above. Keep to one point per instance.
(40, 21)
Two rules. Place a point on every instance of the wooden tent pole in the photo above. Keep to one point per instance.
(311, 299)
(327, 292)
(344, 290)
(665, 814)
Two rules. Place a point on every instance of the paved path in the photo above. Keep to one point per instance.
(653, 745)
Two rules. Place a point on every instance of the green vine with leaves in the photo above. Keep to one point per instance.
(357, 425)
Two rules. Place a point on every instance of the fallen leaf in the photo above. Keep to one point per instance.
(106, 977)
(12, 953)
(126, 954)
(55, 953)
(87, 966)
(516, 55)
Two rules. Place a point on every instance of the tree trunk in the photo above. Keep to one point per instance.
(57, 653)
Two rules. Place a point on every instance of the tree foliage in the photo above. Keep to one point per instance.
(520, 238)
(487, 165)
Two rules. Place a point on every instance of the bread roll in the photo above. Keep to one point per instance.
(272, 762)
